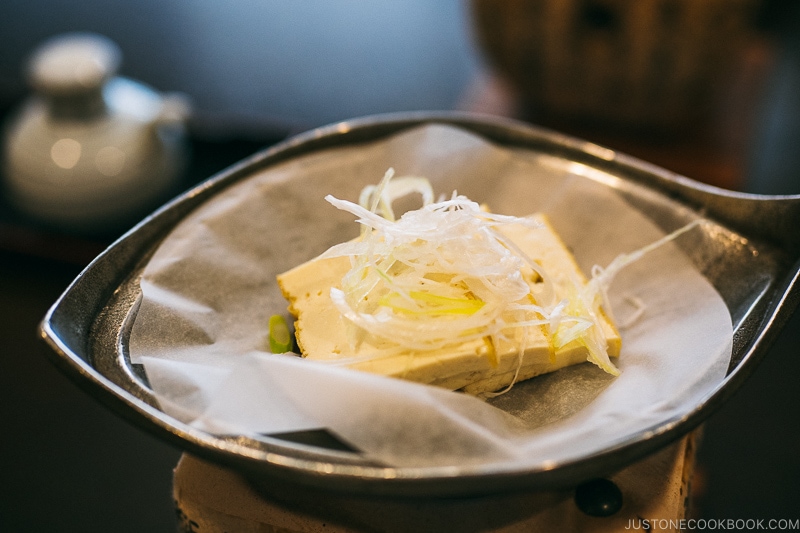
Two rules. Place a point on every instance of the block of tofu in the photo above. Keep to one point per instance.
(478, 366)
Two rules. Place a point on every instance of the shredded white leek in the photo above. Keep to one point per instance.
(443, 275)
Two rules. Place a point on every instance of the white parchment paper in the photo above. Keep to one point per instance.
(209, 290)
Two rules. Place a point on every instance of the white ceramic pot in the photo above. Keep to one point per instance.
(90, 149)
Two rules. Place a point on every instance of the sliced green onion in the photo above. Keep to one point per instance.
(444, 274)
(431, 304)
(280, 340)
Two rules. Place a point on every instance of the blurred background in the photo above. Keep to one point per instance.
(709, 89)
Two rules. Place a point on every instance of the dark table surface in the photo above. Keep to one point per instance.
(69, 464)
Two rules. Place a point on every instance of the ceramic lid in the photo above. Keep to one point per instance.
(73, 63)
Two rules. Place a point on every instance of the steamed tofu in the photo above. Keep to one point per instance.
(476, 367)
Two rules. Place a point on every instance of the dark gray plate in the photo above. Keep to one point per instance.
(750, 252)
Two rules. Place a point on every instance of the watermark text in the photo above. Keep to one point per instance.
(713, 524)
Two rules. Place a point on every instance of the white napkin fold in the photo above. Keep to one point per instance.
(209, 290)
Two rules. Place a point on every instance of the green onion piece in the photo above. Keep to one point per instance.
(280, 340)
(436, 305)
